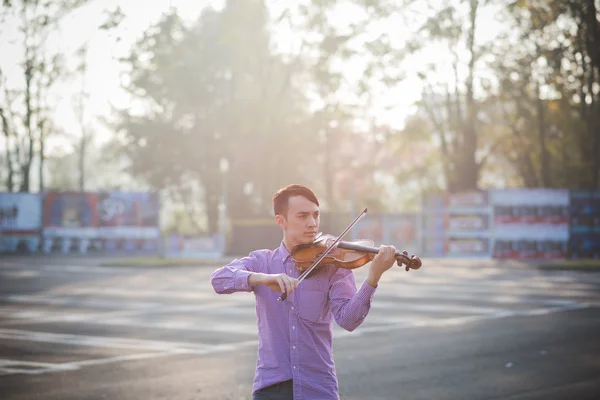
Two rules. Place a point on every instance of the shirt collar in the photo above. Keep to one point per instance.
(283, 252)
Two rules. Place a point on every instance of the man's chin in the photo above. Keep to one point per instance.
(307, 239)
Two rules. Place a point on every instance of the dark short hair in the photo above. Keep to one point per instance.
(282, 196)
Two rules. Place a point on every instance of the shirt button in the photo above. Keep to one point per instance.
(293, 327)
(294, 367)
(292, 307)
(294, 347)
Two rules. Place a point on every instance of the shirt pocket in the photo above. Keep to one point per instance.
(312, 305)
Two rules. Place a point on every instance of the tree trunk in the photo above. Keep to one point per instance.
(237, 205)
(594, 52)
(82, 151)
(42, 156)
(592, 117)
(584, 140)
(328, 169)
(523, 160)
(459, 113)
(469, 166)
(596, 147)
(448, 155)
(26, 167)
(9, 163)
(211, 200)
(545, 166)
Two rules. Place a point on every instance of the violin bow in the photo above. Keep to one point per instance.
(327, 250)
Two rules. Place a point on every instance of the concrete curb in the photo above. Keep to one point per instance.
(170, 263)
(591, 269)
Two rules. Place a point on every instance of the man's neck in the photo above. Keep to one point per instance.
(288, 245)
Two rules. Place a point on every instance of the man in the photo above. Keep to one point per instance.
(295, 355)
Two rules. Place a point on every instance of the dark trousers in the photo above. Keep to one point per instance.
(279, 391)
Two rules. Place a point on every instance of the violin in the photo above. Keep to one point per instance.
(327, 249)
(348, 255)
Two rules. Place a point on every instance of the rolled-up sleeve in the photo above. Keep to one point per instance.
(233, 277)
(349, 306)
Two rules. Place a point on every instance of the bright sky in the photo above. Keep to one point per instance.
(103, 77)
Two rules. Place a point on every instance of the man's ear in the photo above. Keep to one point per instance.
(280, 219)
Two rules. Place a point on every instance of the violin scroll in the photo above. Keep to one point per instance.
(413, 262)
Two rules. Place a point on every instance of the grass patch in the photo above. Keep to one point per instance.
(160, 262)
(580, 265)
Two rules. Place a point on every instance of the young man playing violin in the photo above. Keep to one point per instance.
(295, 353)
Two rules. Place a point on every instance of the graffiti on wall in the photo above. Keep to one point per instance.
(530, 223)
(20, 221)
(584, 224)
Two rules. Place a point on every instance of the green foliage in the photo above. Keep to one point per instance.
(25, 107)
(524, 106)
(549, 89)
(214, 92)
(114, 18)
(534, 120)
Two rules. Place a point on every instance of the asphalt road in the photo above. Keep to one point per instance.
(455, 329)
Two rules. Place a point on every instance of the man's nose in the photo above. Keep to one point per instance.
(312, 221)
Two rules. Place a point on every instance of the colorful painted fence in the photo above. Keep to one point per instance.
(79, 222)
(530, 223)
(501, 223)
(129, 221)
(513, 224)
(457, 225)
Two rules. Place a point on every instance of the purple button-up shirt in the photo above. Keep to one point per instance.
(295, 335)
